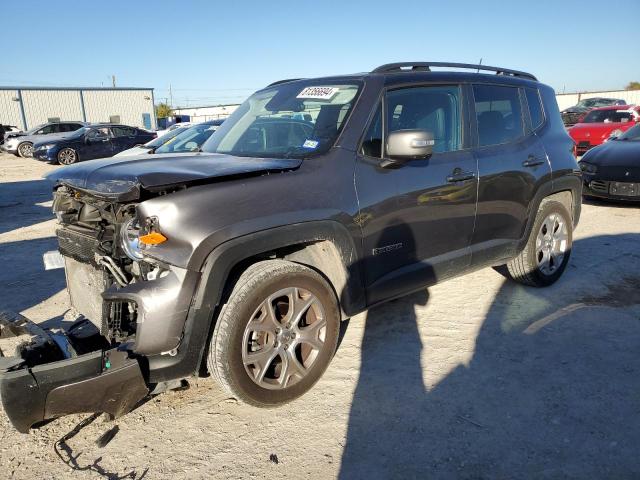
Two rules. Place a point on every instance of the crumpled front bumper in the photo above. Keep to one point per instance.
(57, 378)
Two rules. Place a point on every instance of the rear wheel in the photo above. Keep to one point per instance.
(67, 156)
(548, 249)
(276, 335)
(25, 149)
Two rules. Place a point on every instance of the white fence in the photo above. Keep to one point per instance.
(565, 100)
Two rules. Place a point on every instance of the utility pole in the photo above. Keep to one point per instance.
(170, 96)
(113, 81)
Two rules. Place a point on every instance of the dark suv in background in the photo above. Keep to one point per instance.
(93, 141)
(316, 199)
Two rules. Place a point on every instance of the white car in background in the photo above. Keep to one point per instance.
(173, 127)
(179, 140)
(150, 147)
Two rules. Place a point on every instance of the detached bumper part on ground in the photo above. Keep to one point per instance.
(106, 381)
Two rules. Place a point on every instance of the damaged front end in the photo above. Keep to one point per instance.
(57, 373)
(130, 307)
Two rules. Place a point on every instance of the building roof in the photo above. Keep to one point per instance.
(72, 88)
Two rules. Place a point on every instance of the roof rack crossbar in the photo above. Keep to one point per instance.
(426, 67)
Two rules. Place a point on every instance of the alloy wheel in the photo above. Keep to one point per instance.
(26, 150)
(283, 338)
(551, 243)
(67, 156)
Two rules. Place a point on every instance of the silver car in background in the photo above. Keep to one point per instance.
(21, 143)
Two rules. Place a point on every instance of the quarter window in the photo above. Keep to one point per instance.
(435, 109)
(498, 114)
(372, 143)
(535, 107)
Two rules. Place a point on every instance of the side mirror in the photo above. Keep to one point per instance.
(404, 145)
(87, 140)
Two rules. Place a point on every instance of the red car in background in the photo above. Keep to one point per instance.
(602, 123)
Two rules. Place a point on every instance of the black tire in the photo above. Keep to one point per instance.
(228, 342)
(525, 268)
(67, 156)
(23, 150)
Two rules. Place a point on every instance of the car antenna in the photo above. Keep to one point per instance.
(479, 63)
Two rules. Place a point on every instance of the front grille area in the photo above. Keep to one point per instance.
(76, 245)
(85, 284)
(599, 186)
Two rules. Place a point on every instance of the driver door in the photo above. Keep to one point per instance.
(417, 216)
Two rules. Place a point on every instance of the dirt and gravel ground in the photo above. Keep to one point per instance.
(474, 378)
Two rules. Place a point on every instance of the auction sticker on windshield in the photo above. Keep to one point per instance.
(320, 93)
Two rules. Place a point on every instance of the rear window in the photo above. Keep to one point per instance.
(535, 107)
(498, 114)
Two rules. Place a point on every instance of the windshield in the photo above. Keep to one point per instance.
(161, 140)
(597, 102)
(79, 133)
(297, 119)
(35, 129)
(608, 116)
(633, 134)
(188, 140)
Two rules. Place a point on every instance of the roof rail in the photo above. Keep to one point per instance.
(426, 67)
(283, 81)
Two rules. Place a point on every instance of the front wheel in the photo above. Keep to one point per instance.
(67, 156)
(548, 249)
(276, 334)
(25, 149)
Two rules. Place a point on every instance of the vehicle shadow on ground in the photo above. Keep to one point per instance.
(25, 282)
(551, 390)
(601, 202)
(19, 204)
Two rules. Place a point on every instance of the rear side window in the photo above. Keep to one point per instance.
(535, 107)
(123, 131)
(498, 113)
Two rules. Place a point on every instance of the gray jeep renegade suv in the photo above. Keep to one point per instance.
(314, 201)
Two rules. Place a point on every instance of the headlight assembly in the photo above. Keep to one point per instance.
(588, 167)
(129, 233)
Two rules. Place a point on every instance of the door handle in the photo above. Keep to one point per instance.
(533, 161)
(459, 176)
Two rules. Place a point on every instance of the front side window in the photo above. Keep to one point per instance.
(498, 114)
(435, 109)
(291, 120)
(98, 133)
(535, 107)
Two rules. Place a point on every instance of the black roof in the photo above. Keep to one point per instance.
(422, 71)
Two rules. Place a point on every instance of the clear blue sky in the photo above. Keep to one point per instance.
(220, 51)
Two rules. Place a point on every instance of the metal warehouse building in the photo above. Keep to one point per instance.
(26, 107)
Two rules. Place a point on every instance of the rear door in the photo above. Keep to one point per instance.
(512, 164)
(124, 138)
(97, 144)
(417, 217)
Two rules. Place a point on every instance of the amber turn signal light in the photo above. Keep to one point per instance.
(153, 238)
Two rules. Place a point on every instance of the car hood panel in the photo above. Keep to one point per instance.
(616, 153)
(122, 179)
